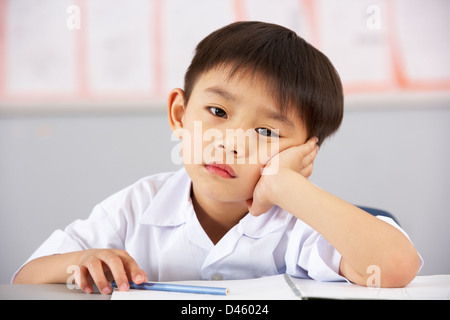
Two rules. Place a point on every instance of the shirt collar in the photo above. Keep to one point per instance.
(172, 206)
(169, 206)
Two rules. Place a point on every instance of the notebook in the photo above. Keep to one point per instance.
(421, 288)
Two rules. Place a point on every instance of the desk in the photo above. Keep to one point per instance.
(46, 292)
(422, 287)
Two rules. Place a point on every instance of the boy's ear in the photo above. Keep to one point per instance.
(176, 109)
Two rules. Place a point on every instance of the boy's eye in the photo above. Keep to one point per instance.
(218, 112)
(267, 132)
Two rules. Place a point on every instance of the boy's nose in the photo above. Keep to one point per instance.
(232, 149)
(235, 143)
(230, 145)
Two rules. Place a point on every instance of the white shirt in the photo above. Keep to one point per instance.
(154, 221)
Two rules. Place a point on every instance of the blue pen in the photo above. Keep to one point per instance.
(158, 286)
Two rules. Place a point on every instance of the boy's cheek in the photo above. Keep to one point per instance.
(266, 151)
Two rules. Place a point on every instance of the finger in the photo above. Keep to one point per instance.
(313, 140)
(137, 275)
(95, 268)
(115, 265)
(83, 280)
(307, 148)
(312, 144)
(307, 171)
(309, 158)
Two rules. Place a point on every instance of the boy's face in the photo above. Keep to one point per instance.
(230, 129)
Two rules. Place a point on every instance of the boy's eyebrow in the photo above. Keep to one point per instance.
(221, 92)
(279, 117)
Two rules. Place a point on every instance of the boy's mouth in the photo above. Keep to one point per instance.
(222, 170)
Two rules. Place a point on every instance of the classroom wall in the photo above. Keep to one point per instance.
(82, 111)
(55, 168)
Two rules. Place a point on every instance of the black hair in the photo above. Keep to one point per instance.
(299, 77)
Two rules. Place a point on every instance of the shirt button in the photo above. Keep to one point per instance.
(217, 276)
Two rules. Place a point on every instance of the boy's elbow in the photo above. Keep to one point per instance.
(19, 278)
(401, 270)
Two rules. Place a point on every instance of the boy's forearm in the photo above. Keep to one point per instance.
(360, 238)
(48, 269)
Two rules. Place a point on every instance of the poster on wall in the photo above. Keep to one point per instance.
(102, 53)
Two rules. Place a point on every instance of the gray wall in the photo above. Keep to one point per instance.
(55, 167)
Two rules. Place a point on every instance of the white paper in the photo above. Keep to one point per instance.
(139, 50)
(354, 36)
(423, 38)
(40, 50)
(120, 46)
(184, 24)
(290, 14)
(267, 288)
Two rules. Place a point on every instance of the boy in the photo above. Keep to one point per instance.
(239, 208)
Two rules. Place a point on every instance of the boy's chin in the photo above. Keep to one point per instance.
(227, 196)
(224, 193)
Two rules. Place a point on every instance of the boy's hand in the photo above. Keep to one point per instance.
(298, 159)
(104, 265)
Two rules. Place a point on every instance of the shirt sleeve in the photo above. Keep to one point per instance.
(97, 231)
(310, 255)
